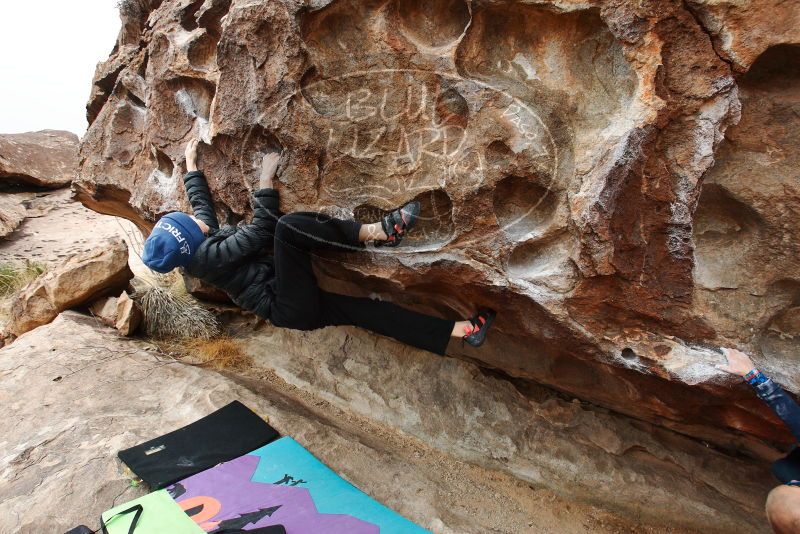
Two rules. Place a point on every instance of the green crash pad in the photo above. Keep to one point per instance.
(160, 515)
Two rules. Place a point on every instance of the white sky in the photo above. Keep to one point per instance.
(48, 52)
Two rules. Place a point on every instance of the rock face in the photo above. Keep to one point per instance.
(48, 158)
(598, 171)
(56, 228)
(81, 279)
(535, 435)
(12, 211)
(75, 394)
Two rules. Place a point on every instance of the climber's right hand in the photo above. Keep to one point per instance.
(191, 154)
(738, 363)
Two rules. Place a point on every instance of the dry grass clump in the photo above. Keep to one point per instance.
(14, 277)
(219, 353)
(169, 312)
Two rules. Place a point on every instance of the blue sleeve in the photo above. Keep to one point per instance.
(781, 403)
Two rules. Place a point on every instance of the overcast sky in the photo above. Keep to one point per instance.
(48, 52)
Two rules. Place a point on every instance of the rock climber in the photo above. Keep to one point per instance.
(783, 502)
(282, 287)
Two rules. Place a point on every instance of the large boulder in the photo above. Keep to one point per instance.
(48, 158)
(12, 211)
(81, 279)
(559, 152)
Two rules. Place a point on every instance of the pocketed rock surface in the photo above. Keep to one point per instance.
(617, 177)
(75, 393)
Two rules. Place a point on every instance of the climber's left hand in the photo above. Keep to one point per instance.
(269, 166)
(191, 154)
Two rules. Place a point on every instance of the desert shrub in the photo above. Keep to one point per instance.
(170, 312)
(14, 276)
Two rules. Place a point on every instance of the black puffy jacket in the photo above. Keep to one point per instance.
(235, 258)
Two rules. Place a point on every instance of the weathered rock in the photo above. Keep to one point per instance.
(105, 309)
(128, 315)
(743, 29)
(12, 211)
(81, 279)
(75, 394)
(532, 433)
(48, 158)
(560, 171)
(56, 228)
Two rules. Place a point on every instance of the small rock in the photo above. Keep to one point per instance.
(128, 314)
(105, 309)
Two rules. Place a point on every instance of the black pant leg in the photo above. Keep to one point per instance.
(388, 319)
(296, 303)
(309, 230)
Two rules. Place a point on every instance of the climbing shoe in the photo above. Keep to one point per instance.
(397, 223)
(475, 334)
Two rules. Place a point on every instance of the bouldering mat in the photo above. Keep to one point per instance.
(282, 483)
(155, 513)
(223, 435)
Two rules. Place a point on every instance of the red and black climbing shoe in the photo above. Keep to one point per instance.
(475, 334)
(397, 223)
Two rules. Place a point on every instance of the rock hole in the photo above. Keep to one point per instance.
(129, 95)
(779, 336)
(546, 262)
(202, 52)
(188, 19)
(435, 224)
(777, 68)
(193, 96)
(212, 16)
(569, 62)
(164, 164)
(258, 142)
(628, 354)
(725, 230)
(432, 23)
(522, 206)
(307, 82)
(183, 104)
(452, 108)
(341, 27)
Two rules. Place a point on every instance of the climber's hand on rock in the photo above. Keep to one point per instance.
(269, 166)
(739, 363)
(191, 155)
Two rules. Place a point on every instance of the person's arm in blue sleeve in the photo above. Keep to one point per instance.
(767, 390)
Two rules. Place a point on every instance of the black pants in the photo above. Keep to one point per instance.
(299, 303)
